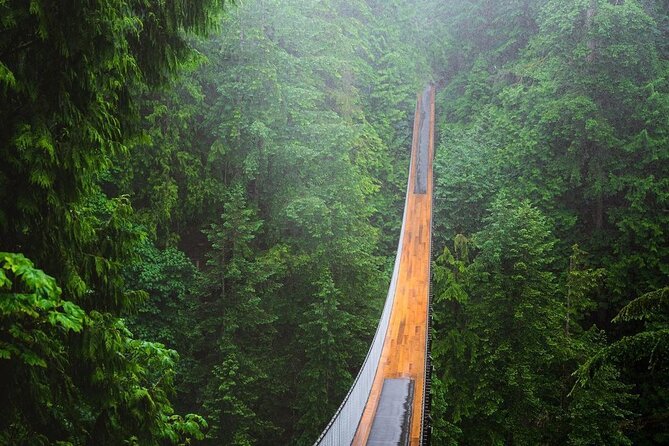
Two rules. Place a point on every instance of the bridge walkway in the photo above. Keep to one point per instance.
(403, 354)
(398, 356)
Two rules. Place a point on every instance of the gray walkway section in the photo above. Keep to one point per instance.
(393, 415)
(420, 187)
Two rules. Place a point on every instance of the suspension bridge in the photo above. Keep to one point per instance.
(389, 401)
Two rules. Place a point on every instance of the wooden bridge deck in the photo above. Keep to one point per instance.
(403, 354)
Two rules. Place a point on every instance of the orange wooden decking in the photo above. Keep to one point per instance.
(403, 352)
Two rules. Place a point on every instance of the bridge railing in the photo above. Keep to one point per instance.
(344, 424)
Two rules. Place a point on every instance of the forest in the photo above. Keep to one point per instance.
(200, 202)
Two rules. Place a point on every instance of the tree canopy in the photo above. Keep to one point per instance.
(200, 203)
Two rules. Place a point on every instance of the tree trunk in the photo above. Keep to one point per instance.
(592, 44)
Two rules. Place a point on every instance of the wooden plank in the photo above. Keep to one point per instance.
(403, 353)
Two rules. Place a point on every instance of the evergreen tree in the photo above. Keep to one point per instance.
(70, 73)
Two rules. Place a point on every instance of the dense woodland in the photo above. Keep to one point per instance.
(200, 203)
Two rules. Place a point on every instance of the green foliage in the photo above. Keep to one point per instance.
(131, 388)
(653, 306)
(237, 287)
(642, 358)
(287, 150)
(32, 310)
(326, 375)
(128, 402)
(597, 413)
(505, 344)
(68, 108)
(168, 277)
(557, 103)
(517, 319)
(70, 73)
(581, 282)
